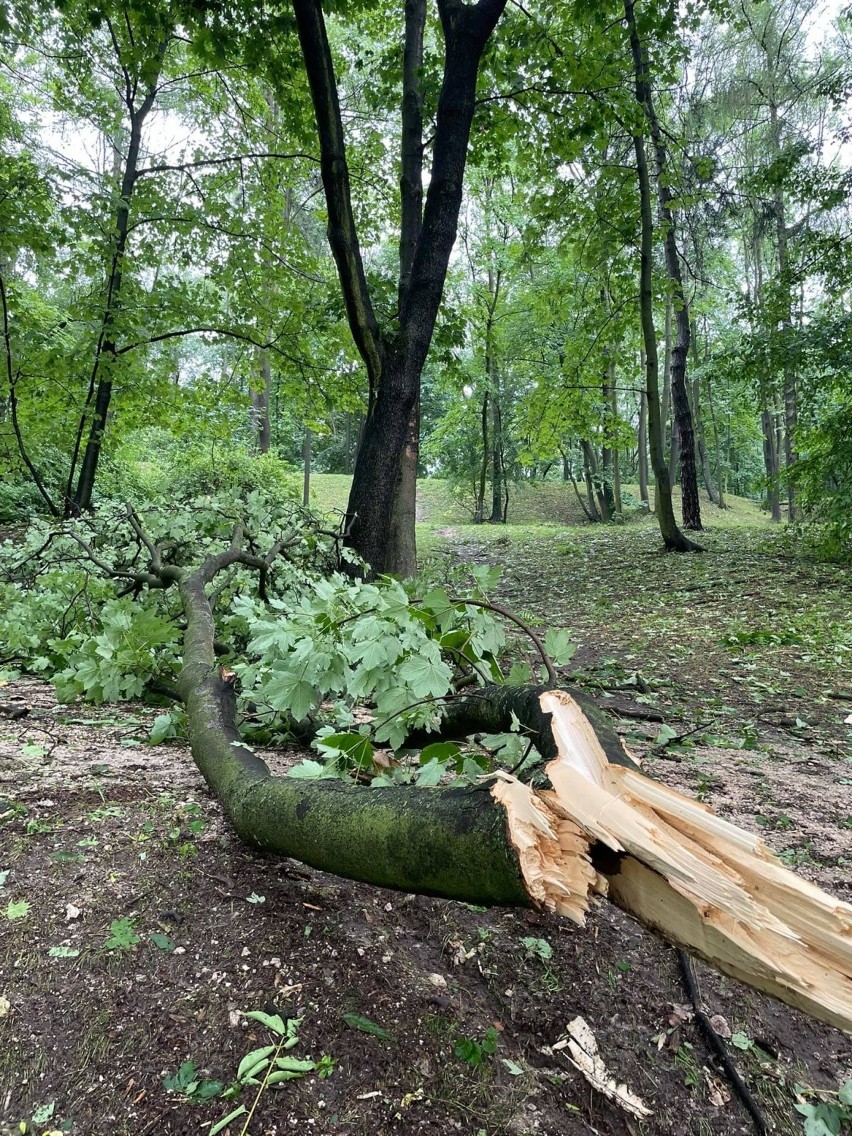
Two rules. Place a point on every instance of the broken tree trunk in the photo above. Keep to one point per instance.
(598, 828)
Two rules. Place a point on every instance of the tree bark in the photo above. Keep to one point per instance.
(260, 405)
(402, 549)
(590, 471)
(101, 379)
(479, 513)
(683, 441)
(395, 360)
(673, 538)
(497, 472)
(790, 380)
(770, 463)
(643, 438)
(306, 467)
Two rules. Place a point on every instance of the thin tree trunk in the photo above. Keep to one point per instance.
(770, 463)
(260, 405)
(674, 451)
(672, 536)
(701, 444)
(106, 351)
(479, 515)
(497, 473)
(306, 466)
(597, 501)
(666, 401)
(790, 383)
(643, 437)
(717, 449)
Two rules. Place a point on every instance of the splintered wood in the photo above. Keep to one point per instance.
(702, 882)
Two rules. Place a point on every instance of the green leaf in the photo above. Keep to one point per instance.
(207, 1090)
(845, 1094)
(4, 875)
(486, 578)
(557, 643)
(425, 676)
(162, 942)
(162, 728)
(17, 909)
(539, 947)
(520, 674)
(356, 748)
(439, 604)
(289, 691)
(308, 770)
(63, 952)
(122, 935)
(430, 774)
(356, 1021)
(43, 1113)
(514, 1070)
(257, 1057)
(183, 1081)
(444, 752)
(226, 1120)
(295, 1064)
(665, 735)
(272, 1021)
(741, 1041)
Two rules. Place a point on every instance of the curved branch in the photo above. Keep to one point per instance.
(552, 676)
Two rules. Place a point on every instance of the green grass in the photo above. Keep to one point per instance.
(539, 503)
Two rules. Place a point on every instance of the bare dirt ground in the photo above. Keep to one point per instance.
(135, 931)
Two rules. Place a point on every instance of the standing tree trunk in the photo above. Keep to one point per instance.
(770, 463)
(306, 467)
(643, 437)
(497, 472)
(260, 405)
(786, 304)
(700, 441)
(99, 396)
(597, 498)
(479, 515)
(673, 538)
(395, 359)
(683, 441)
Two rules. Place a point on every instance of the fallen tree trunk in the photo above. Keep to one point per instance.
(600, 828)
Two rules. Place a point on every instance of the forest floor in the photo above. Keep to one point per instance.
(135, 930)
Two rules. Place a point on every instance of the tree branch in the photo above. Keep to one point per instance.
(342, 233)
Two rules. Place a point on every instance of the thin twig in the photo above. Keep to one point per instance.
(717, 1044)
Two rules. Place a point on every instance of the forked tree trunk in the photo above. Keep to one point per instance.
(600, 828)
(395, 357)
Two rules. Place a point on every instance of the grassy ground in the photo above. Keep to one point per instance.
(728, 671)
(543, 502)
